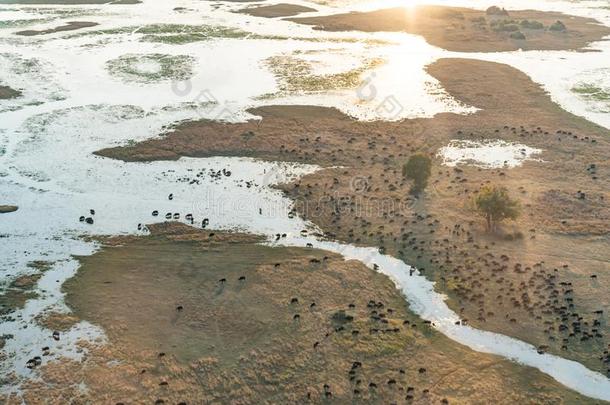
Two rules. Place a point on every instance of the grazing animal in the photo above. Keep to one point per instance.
(242, 278)
(56, 335)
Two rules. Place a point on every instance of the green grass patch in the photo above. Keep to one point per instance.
(151, 67)
(296, 75)
(591, 91)
(22, 23)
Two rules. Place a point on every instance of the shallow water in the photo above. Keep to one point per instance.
(73, 105)
(489, 154)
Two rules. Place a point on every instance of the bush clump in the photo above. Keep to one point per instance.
(505, 26)
(495, 10)
(558, 26)
(531, 25)
(517, 35)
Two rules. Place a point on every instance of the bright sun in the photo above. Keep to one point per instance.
(400, 3)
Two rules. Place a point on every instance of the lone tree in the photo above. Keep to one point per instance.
(417, 169)
(495, 205)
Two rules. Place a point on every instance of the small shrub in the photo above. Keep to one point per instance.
(517, 35)
(505, 26)
(558, 26)
(531, 25)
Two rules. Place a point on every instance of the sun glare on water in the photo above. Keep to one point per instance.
(407, 4)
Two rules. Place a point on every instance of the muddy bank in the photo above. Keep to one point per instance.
(16, 292)
(528, 280)
(70, 26)
(5, 209)
(276, 10)
(8, 93)
(188, 319)
(15, 295)
(466, 30)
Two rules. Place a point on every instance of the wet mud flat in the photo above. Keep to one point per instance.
(528, 281)
(5, 209)
(467, 30)
(7, 93)
(197, 316)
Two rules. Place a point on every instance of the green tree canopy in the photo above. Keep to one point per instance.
(418, 169)
(495, 205)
